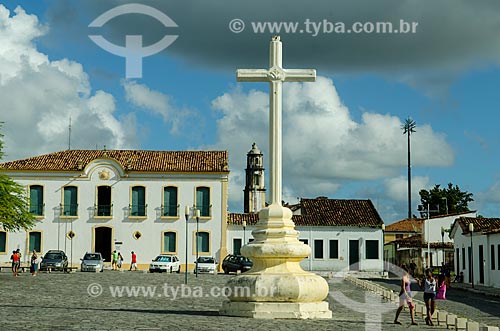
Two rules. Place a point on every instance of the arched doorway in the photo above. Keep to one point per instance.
(103, 241)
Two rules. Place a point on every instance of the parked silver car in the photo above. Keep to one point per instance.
(92, 262)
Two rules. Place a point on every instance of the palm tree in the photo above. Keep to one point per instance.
(409, 128)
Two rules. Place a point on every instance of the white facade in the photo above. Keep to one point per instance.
(485, 256)
(320, 239)
(431, 230)
(146, 233)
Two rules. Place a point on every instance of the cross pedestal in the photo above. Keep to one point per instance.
(276, 286)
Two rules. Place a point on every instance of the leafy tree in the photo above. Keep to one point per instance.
(444, 200)
(14, 213)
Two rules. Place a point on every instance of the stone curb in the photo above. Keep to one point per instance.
(441, 317)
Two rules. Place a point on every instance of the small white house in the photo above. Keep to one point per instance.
(343, 234)
(477, 252)
(124, 200)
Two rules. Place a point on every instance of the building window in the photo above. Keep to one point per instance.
(334, 249)
(371, 249)
(170, 201)
(35, 241)
(104, 206)
(498, 257)
(463, 258)
(3, 242)
(318, 249)
(237, 246)
(36, 200)
(203, 242)
(203, 201)
(169, 242)
(70, 202)
(138, 207)
(492, 257)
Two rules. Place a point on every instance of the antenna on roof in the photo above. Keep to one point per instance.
(69, 133)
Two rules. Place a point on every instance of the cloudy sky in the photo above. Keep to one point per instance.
(342, 134)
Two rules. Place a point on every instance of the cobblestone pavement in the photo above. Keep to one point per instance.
(462, 301)
(58, 301)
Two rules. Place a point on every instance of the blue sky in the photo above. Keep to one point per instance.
(342, 134)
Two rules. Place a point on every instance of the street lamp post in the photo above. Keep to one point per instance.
(442, 243)
(471, 230)
(197, 239)
(186, 214)
(244, 227)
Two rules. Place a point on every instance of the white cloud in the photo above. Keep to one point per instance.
(397, 188)
(155, 102)
(322, 145)
(39, 95)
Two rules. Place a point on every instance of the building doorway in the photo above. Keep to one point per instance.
(481, 264)
(354, 255)
(103, 241)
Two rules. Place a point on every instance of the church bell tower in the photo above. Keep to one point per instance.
(255, 190)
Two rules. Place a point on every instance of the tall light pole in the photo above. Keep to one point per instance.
(442, 243)
(408, 128)
(244, 227)
(186, 215)
(471, 230)
(197, 239)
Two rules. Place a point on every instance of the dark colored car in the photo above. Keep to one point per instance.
(54, 260)
(233, 263)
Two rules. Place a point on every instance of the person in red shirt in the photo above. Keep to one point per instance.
(16, 261)
(133, 264)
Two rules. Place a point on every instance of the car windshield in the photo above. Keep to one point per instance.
(163, 259)
(206, 260)
(53, 256)
(92, 257)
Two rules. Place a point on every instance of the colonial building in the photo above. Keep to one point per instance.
(425, 241)
(477, 252)
(124, 200)
(343, 234)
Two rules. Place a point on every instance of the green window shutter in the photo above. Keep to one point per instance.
(170, 201)
(35, 241)
(3, 242)
(203, 200)
(138, 201)
(204, 242)
(237, 246)
(169, 242)
(36, 200)
(70, 201)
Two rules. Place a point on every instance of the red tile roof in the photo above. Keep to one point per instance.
(481, 224)
(326, 212)
(406, 225)
(130, 160)
(416, 242)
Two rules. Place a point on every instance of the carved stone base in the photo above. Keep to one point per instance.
(276, 286)
(272, 310)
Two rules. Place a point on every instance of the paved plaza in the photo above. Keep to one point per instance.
(90, 301)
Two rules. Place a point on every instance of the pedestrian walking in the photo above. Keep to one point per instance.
(429, 286)
(114, 260)
(405, 297)
(120, 260)
(34, 263)
(133, 263)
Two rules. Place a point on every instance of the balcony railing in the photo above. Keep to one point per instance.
(69, 210)
(170, 210)
(37, 209)
(138, 210)
(205, 210)
(103, 210)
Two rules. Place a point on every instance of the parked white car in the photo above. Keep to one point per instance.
(206, 264)
(165, 263)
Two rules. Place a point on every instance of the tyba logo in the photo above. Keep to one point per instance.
(133, 52)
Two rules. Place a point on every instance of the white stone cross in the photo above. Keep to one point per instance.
(275, 75)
